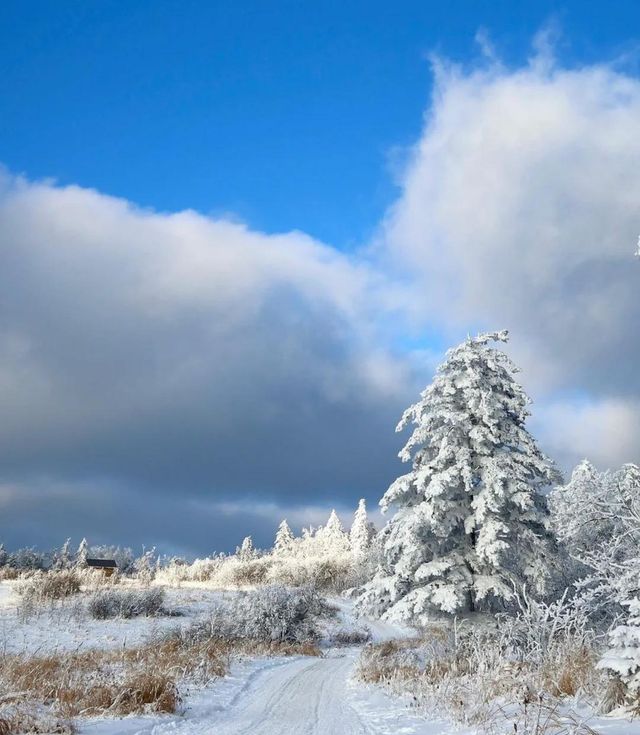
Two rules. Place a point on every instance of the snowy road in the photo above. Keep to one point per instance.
(306, 696)
(303, 696)
(313, 697)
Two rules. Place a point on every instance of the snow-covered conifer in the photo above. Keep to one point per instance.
(470, 519)
(576, 509)
(284, 541)
(82, 553)
(622, 658)
(596, 515)
(246, 552)
(63, 558)
(362, 531)
(4, 556)
(333, 537)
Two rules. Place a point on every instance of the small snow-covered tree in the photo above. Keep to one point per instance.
(362, 531)
(577, 509)
(63, 559)
(333, 538)
(246, 552)
(82, 553)
(622, 658)
(4, 556)
(284, 541)
(470, 519)
(308, 543)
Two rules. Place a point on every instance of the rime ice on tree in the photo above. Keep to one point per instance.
(469, 517)
(246, 552)
(284, 541)
(362, 531)
(623, 657)
(333, 537)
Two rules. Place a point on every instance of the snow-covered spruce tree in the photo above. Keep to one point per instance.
(63, 559)
(470, 519)
(333, 538)
(622, 659)
(362, 531)
(284, 541)
(82, 553)
(246, 552)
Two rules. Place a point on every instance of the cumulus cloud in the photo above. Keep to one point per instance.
(520, 208)
(179, 356)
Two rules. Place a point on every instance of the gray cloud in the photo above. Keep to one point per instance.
(181, 357)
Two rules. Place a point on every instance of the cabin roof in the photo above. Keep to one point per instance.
(102, 563)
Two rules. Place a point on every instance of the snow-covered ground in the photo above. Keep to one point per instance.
(282, 697)
(265, 696)
(65, 628)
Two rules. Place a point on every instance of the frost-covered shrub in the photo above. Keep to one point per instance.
(497, 679)
(270, 614)
(622, 659)
(117, 603)
(247, 572)
(354, 637)
(39, 588)
(333, 574)
(178, 571)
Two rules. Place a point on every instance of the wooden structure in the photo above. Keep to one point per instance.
(106, 566)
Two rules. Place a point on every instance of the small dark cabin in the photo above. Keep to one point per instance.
(107, 566)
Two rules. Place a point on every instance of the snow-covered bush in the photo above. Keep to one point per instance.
(117, 603)
(494, 677)
(351, 637)
(270, 614)
(470, 518)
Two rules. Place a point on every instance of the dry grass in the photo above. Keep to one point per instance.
(126, 681)
(464, 677)
(98, 682)
(44, 587)
(572, 674)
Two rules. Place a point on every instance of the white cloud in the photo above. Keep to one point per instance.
(606, 431)
(521, 207)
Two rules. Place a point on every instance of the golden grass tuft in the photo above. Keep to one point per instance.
(125, 681)
(572, 674)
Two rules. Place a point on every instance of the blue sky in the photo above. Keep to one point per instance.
(232, 252)
(287, 114)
